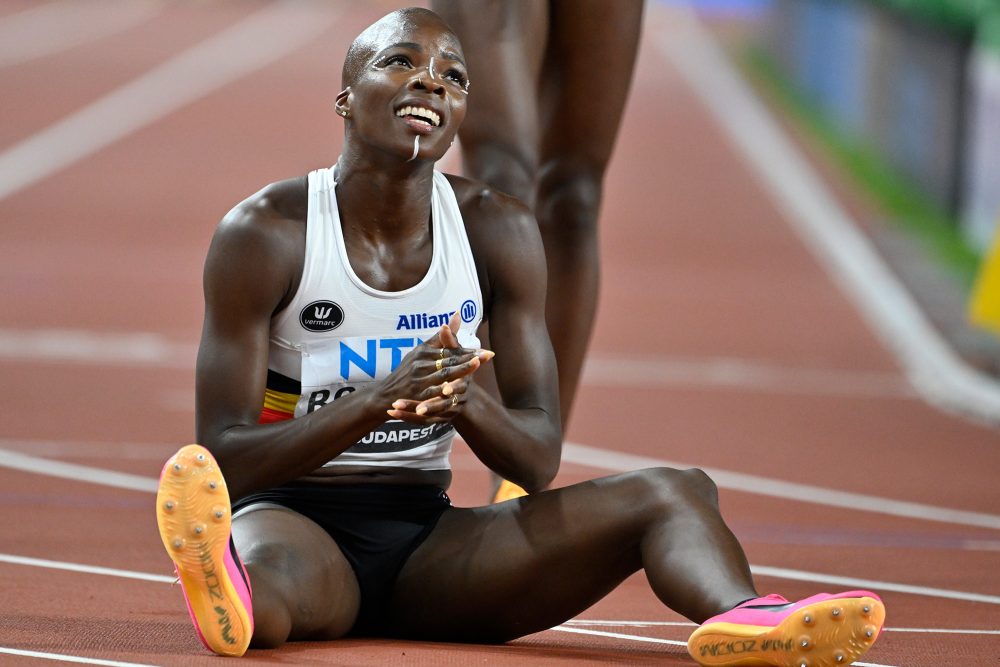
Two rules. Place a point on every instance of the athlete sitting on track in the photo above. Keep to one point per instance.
(348, 302)
(550, 148)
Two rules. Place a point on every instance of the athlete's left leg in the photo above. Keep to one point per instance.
(498, 572)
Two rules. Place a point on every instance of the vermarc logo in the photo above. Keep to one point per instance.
(321, 316)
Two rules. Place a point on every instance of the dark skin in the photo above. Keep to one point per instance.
(550, 149)
(563, 548)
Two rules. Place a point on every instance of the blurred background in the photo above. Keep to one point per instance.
(800, 292)
(904, 97)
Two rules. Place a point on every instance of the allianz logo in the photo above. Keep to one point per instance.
(416, 321)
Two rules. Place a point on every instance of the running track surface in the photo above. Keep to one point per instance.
(721, 342)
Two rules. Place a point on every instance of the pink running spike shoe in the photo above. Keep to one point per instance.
(193, 514)
(821, 631)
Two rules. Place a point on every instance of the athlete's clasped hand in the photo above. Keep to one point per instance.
(434, 377)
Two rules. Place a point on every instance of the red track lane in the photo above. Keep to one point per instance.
(699, 265)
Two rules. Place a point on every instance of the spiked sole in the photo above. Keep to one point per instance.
(830, 633)
(193, 515)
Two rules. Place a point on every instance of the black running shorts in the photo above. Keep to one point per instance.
(376, 526)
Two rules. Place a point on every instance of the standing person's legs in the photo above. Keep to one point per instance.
(584, 85)
(504, 43)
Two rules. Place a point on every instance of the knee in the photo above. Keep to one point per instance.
(508, 167)
(569, 197)
(668, 488)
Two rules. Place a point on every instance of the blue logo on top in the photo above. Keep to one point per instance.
(468, 310)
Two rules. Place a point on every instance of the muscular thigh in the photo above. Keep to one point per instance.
(295, 565)
(587, 76)
(504, 43)
(498, 572)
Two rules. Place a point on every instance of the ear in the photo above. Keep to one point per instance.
(342, 104)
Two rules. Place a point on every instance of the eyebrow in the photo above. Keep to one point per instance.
(413, 46)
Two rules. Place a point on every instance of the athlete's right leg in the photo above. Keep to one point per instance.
(302, 586)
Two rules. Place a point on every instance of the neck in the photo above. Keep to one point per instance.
(382, 195)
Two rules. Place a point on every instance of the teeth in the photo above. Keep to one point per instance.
(422, 113)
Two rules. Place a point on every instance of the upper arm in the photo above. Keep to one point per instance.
(249, 271)
(510, 245)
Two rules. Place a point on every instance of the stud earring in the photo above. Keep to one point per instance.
(344, 113)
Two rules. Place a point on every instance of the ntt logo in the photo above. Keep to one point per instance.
(321, 316)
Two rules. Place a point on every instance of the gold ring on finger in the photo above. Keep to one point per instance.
(441, 353)
(454, 400)
(439, 364)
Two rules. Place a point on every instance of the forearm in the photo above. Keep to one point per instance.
(522, 445)
(259, 456)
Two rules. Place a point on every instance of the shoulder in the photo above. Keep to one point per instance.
(503, 235)
(283, 201)
(270, 218)
(489, 213)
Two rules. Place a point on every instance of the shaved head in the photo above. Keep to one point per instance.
(376, 36)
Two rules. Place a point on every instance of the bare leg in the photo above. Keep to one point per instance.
(584, 85)
(303, 587)
(564, 549)
(504, 43)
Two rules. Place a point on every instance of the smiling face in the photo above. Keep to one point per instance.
(405, 78)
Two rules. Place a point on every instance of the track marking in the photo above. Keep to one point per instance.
(94, 348)
(689, 624)
(618, 635)
(765, 486)
(594, 458)
(48, 29)
(87, 569)
(600, 369)
(853, 582)
(71, 658)
(760, 570)
(264, 36)
(75, 472)
(152, 349)
(933, 368)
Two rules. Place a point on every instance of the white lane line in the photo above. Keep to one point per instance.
(86, 569)
(71, 658)
(257, 40)
(156, 452)
(48, 29)
(617, 635)
(940, 376)
(760, 570)
(743, 374)
(92, 347)
(78, 346)
(871, 584)
(594, 458)
(776, 488)
(149, 484)
(640, 638)
(689, 624)
(75, 472)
